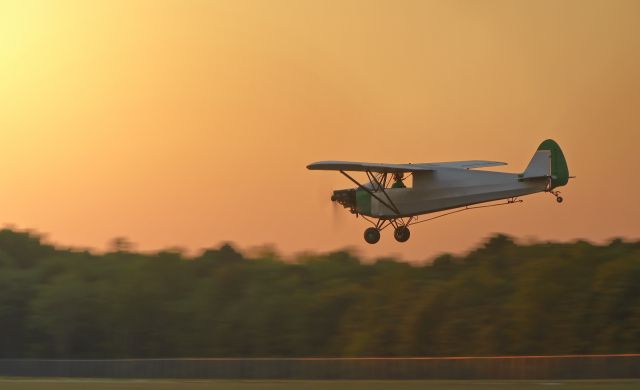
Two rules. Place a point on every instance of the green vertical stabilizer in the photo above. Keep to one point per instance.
(559, 169)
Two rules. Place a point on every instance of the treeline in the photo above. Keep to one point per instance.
(502, 298)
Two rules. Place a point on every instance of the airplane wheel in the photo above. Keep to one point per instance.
(372, 235)
(559, 199)
(402, 233)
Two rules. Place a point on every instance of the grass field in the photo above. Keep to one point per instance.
(97, 384)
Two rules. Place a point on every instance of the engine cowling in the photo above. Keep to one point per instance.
(347, 198)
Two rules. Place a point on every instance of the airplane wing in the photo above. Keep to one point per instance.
(397, 168)
(366, 167)
(466, 164)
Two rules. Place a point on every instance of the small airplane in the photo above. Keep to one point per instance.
(388, 199)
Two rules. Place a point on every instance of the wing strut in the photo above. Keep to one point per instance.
(390, 205)
(381, 185)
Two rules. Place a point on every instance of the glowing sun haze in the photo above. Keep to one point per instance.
(188, 123)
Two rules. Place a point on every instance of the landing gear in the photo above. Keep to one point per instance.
(401, 233)
(557, 195)
(372, 235)
(401, 229)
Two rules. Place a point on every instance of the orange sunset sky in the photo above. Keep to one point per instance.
(189, 123)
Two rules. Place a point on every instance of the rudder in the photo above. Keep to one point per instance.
(559, 168)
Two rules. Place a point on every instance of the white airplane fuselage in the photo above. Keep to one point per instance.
(446, 189)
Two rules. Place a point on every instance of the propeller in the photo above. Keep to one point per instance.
(338, 214)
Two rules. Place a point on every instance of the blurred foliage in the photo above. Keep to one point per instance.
(502, 298)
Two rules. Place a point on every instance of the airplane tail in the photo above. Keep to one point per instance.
(548, 161)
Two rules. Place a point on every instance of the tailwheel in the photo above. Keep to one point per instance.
(372, 235)
(402, 233)
(557, 195)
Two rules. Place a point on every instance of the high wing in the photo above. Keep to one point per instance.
(398, 168)
(467, 164)
(366, 167)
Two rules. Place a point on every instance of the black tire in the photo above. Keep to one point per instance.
(559, 199)
(372, 235)
(401, 234)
